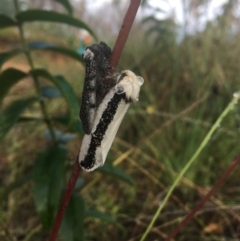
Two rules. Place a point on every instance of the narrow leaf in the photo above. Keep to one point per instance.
(72, 225)
(64, 87)
(48, 179)
(29, 119)
(8, 78)
(99, 215)
(11, 113)
(52, 16)
(66, 4)
(52, 47)
(6, 21)
(116, 172)
(50, 92)
(61, 137)
(75, 127)
(8, 55)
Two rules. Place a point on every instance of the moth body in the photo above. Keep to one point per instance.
(88, 54)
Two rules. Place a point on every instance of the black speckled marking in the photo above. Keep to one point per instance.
(88, 90)
(97, 137)
(95, 85)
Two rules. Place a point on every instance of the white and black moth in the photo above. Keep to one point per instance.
(107, 117)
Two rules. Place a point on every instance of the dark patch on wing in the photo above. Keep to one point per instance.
(108, 83)
(88, 90)
(97, 71)
(97, 137)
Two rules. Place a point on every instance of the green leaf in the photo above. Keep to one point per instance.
(4, 192)
(8, 78)
(52, 47)
(72, 225)
(61, 137)
(6, 21)
(11, 113)
(50, 92)
(8, 55)
(65, 88)
(75, 127)
(99, 215)
(66, 4)
(29, 119)
(48, 179)
(70, 97)
(52, 16)
(116, 172)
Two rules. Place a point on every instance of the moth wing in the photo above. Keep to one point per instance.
(98, 161)
(113, 128)
(84, 147)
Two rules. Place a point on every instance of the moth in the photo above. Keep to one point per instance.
(96, 58)
(108, 117)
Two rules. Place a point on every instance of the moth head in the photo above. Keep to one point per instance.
(88, 54)
(129, 84)
(100, 51)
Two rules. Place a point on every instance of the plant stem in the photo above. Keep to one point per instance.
(36, 82)
(226, 174)
(191, 161)
(124, 32)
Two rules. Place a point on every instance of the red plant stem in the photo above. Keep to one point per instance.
(66, 198)
(123, 33)
(117, 50)
(205, 198)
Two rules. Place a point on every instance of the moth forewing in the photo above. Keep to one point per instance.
(108, 118)
(113, 128)
(87, 109)
(96, 58)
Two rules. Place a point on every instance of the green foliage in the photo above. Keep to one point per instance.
(189, 81)
(51, 47)
(50, 92)
(99, 215)
(6, 21)
(48, 178)
(11, 113)
(8, 55)
(52, 16)
(116, 172)
(49, 170)
(72, 225)
(8, 78)
(64, 87)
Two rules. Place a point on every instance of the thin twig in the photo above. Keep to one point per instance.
(65, 201)
(117, 50)
(124, 32)
(206, 198)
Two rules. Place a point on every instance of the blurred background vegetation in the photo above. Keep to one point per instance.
(191, 70)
